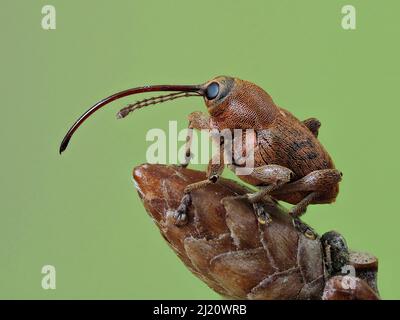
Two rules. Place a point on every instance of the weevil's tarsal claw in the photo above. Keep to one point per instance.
(304, 229)
(180, 215)
(180, 219)
(263, 217)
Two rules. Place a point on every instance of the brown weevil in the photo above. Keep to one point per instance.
(224, 246)
(290, 163)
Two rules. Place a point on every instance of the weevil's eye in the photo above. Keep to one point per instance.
(212, 90)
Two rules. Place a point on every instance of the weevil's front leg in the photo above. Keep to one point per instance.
(214, 170)
(273, 176)
(199, 121)
(313, 124)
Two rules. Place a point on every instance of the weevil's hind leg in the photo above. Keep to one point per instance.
(199, 121)
(299, 209)
(313, 124)
(214, 170)
(318, 180)
(273, 176)
(315, 184)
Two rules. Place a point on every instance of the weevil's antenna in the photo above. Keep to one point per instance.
(194, 89)
(153, 100)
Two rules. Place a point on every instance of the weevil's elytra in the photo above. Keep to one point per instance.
(285, 146)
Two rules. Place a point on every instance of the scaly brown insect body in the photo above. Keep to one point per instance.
(289, 143)
(281, 138)
(289, 162)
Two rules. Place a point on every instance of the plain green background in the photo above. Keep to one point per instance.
(80, 211)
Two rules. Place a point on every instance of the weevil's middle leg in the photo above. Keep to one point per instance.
(273, 177)
(256, 200)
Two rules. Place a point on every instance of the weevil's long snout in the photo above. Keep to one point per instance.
(180, 91)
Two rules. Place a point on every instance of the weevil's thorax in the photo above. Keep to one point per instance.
(243, 105)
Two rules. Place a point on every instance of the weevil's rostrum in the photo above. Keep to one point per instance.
(290, 163)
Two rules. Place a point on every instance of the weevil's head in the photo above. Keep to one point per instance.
(236, 103)
(232, 103)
